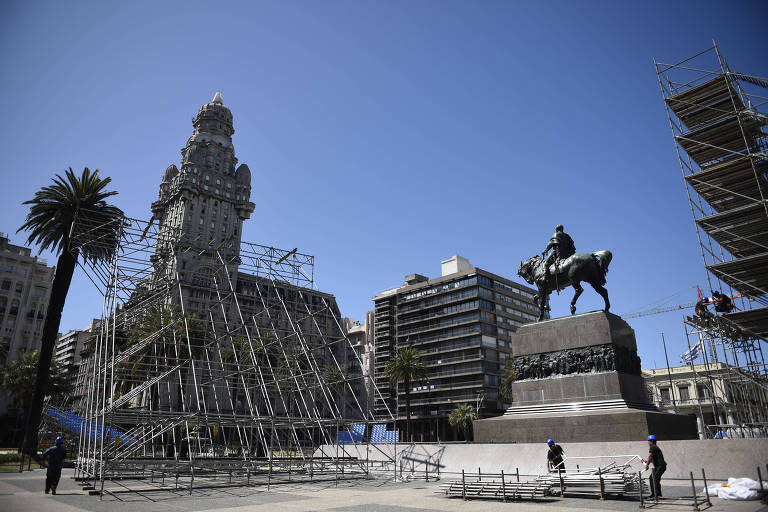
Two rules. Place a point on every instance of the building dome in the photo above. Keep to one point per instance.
(170, 173)
(214, 117)
(243, 175)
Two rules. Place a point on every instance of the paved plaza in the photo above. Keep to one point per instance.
(23, 492)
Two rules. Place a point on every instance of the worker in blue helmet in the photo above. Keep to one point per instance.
(55, 455)
(659, 466)
(554, 456)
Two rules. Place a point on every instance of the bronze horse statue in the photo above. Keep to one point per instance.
(590, 268)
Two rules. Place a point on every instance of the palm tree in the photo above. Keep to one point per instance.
(51, 222)
(461, 419)
(406, 366)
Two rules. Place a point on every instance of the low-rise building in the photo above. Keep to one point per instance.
(461, 324)
(721, 397)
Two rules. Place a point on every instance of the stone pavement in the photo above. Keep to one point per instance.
(24, 492)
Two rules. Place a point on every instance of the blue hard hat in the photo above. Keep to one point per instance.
(550, 442)
(59, 440)
(652, 437)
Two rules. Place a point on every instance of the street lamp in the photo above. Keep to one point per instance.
(479, 402)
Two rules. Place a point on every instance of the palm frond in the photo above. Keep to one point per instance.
(72, 204)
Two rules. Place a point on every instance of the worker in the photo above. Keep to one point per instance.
(554, 456)
(723, 303)
(701, 308)
(55, 455)
(659, 466)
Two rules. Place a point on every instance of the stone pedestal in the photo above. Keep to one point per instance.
(578, 379)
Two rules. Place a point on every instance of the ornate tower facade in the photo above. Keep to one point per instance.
(203, 203)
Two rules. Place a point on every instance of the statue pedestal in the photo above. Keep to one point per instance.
(578, 379)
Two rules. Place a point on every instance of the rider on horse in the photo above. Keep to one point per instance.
(563, 247)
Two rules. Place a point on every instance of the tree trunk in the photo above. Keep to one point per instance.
(407, 410)
(65, 267)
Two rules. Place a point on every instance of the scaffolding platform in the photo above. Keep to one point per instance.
(741, 231)
(748, 275)
(732, 183)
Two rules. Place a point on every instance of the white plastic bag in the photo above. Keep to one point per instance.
(737, 489)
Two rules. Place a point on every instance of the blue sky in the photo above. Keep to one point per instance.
(384, 137)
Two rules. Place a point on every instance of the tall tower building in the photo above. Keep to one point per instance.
(204, 202)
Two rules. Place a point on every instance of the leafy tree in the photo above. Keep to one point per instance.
(336, 380)
(406, 367)
(50, 222)
(461, 419)
(506, 379)
(17, 379)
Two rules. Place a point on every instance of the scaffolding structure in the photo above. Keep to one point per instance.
(717, 117)
(252, 384)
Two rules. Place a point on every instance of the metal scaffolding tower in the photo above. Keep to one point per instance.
(250, 384)
(718, 118)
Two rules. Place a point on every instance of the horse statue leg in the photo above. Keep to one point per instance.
(541, 300)
(579, 291)
(604, 294)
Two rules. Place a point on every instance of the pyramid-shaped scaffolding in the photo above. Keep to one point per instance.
(257, 382)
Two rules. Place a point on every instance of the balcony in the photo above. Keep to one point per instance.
(438, 301)
(431, 316)
(667, 404)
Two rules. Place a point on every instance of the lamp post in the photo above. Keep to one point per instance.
(479, 402)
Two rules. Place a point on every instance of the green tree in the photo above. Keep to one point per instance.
(406, 367)
(461, 419)
(50, 222)
(336, 380)
(17, 379)
(506, 379)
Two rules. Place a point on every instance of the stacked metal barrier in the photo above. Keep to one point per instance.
(495, 486)
(611, 479)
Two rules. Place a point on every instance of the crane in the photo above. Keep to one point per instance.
(658, 310)
(675, 307)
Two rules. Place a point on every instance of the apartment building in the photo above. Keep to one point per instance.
(461, 324)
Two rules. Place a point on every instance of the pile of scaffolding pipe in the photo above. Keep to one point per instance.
(616, 480)
(495, 489)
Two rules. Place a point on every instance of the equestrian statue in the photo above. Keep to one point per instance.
(565, 267)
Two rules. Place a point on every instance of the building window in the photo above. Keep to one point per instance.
(684, 393)
(6, 285)
(702, 391)
(665, 397)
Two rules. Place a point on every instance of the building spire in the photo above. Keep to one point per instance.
(217, 98)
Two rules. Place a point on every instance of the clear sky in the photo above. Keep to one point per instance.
(384, 137)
